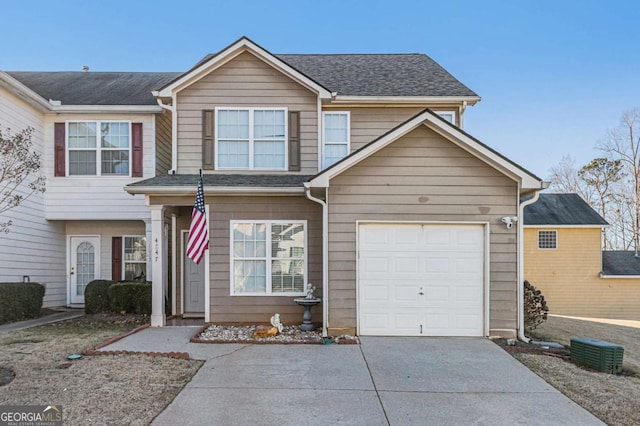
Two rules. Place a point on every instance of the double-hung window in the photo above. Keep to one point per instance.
(99, 148)
(135, 257)
(336, 131)
(268, 257)
(251, 138)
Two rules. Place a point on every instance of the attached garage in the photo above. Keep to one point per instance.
(421, 279)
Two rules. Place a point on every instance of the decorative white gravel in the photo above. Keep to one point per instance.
(228, 333)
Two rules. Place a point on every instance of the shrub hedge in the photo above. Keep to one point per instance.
(132, 297)
(118, 296)
(19, 301)
(96, 298)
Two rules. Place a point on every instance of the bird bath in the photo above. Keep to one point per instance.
(307, 302)
(306, 316)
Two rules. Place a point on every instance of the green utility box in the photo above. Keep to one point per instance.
(596, 354)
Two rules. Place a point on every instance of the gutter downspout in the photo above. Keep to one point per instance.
(325, 256)
(174, 132)
(520, 287)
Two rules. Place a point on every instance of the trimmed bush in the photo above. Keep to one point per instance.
(96, 298)
(19, 301)
(131, 297)
(535, 307)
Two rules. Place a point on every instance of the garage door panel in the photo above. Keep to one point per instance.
(421, 280)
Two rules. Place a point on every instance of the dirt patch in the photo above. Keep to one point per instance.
(6, 376)
(121, 389)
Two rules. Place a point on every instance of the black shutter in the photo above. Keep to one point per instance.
(208, 143)
(294, 141)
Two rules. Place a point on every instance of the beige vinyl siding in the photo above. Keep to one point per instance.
(106, 230)
(244, 81)
(421, 177)
(259, 309)
(163, 143)
(33, 246)
(368, 124)
(569, 276)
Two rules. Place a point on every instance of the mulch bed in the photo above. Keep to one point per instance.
(528, 348)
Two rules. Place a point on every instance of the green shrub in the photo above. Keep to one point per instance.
(19, 301)
(96, 298)
(131, 297)
(535, 307)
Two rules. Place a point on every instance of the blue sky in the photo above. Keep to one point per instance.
(553, 75)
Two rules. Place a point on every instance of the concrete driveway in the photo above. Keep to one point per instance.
(386, 380)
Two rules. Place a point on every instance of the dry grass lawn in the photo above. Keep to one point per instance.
(124, 390)
(613, 399)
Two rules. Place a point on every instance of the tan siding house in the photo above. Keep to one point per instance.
(351, 173)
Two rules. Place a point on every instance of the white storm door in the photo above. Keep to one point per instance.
(421, 280)
(84, 257)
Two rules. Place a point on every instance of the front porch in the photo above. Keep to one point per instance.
(263, 251)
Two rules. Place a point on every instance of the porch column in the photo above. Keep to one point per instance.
(158, 263)
(147, 233)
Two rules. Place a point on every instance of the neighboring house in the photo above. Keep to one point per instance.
(564, 259)
(348, 172)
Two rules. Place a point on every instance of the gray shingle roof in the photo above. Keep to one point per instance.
(620, 263)
(95, 88)
(410, 74)
(561, 209)
(272, 181)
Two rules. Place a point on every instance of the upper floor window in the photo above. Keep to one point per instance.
(450, 116)
(251, 138)
(99, 148)
(336, 137)
(547, 239)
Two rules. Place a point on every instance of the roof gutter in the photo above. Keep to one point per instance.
(406, 100)
(325, 256)
(177, 191)
(520, 284)
(174, 128)
(23, 92)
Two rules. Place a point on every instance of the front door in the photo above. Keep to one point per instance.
(193, 282)
(84, 256)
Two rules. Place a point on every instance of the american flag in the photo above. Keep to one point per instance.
(198, 231)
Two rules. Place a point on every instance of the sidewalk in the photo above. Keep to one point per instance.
(47, 319)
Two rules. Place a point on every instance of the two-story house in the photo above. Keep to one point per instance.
(349, 172)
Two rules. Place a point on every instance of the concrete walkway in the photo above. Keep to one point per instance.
(385, 380)
(47, 319)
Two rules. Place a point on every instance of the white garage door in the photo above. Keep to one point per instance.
(421, 280)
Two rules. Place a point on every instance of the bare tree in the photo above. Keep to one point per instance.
(599, 175)
(564, 178)
(623, 144)
(20, 171)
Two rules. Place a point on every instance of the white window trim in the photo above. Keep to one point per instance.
(269, 258)
(447, 112)
(324, 143)
(98, 148)
(124, 261)
(547, 248)
(251, 137)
